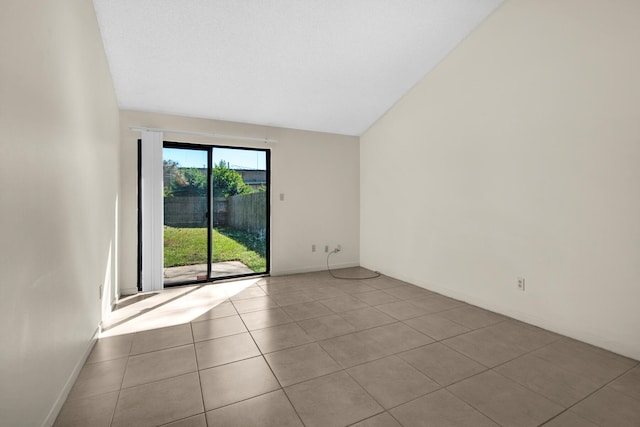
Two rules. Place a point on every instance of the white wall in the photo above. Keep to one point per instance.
(519, 155)
(58, 196)
(317, 172)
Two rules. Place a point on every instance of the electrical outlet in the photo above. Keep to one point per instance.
(326, 248)
(338, 248)
(313, 248)
(521, 283)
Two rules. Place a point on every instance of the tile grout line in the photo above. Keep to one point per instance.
(533, 391)
(492, 369)
(369, 394)
(272, 373)
(368, 418)
(594, 392)
(487, 327)
(472, 405)
(113, 413)
(195, 354)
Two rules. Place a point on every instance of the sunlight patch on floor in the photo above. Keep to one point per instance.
(169, 307)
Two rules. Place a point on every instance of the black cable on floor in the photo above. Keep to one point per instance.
(347, 278)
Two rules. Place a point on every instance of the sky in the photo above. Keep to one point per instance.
(237, 158)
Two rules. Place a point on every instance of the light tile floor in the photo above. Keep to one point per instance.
(310, 350)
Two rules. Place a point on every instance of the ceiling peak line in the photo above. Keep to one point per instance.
(266, 139)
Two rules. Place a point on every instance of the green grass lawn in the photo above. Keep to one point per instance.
(187, 246)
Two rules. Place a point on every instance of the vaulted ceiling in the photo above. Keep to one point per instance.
(323, 65)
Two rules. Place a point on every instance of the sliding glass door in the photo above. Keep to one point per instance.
(186, 214)
(240, 212)
(216, 212)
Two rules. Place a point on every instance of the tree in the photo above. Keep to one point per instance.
(196, 181)
(179, 181)
(228, 182)
(172, 177)
(183, 181)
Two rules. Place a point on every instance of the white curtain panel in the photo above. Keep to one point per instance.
(152, 211)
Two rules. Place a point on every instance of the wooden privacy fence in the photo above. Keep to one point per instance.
(246, 212)
(220, 212)
(185, 211)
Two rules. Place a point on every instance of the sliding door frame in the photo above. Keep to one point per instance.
(209, 148)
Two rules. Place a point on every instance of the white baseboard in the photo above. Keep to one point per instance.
(313, 269)
(124, 292)
(64, 393)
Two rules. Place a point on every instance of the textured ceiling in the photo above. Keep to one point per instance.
(324, 65)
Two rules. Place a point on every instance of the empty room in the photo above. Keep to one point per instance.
(320, 213)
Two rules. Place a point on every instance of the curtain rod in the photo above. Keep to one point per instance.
(207, 134)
